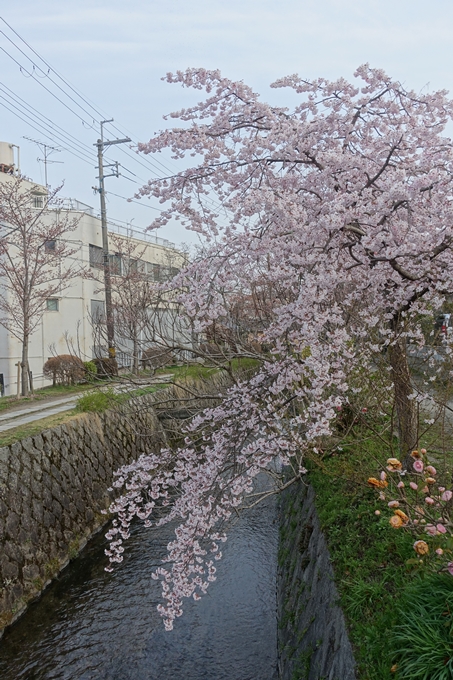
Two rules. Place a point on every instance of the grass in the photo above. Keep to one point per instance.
(369, 557)
(32, 429)
(424, 633)
(7, 403)
(192, 371)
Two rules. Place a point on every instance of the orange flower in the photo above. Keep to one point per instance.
(396, 522)
(430, 480)
(378, 483)
(421, 548)
(394, 668)
(415, 454)
(402, 515)
(394, 464)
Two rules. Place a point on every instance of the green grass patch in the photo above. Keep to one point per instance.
(36, 427)
(192, 371)
(369, 557)
(423, 637)
(7, 403)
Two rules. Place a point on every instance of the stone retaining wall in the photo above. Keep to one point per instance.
(53, 488)
(312, 637)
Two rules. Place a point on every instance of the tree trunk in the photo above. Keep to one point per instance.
(24, 366)
(135, 364)
(406, 408)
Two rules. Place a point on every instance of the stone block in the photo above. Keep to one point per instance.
(30, 572)
(12, 525)
(38, 442)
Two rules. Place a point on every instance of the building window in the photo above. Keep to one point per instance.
(38, 202)
(96, 257)
(50, 246)
(115, 264)
(97, 311)
(52, 304)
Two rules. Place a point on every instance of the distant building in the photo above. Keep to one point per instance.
(70, 317)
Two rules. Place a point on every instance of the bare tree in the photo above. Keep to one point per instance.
(144, 308)
(35, 259)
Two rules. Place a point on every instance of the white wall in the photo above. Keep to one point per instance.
(71, 323)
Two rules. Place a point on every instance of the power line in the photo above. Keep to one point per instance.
(150, 166)
(16, 100)
(131, 200)
(59, 138)
(43, 132)
(45, 75)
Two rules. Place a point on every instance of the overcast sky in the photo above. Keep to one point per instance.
(115, 54)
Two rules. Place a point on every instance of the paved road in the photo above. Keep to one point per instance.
(30, 414)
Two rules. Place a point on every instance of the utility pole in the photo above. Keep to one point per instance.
(101, 144)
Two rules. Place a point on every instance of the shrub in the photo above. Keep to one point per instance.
(106, 368)
(157, 357)
(90, 370)
(95, 402)
(64, 369)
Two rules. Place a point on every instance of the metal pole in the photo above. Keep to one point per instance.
(105, 247)
(105, 241)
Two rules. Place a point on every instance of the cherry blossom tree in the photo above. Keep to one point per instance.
(35, 259)
(337, 217)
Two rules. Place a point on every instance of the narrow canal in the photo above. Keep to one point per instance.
(94, 625)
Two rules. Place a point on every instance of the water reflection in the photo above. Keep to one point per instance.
(94, 625)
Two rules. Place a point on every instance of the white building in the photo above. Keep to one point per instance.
(66, 326)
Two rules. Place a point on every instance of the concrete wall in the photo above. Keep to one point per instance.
(312, 636)
(53, 488)
(69, 330)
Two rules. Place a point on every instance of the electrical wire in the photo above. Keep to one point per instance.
(30, 112)
(144, 162)
(45, 134)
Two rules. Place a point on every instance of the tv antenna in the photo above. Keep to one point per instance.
(46, 151)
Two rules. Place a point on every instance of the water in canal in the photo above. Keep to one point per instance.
(92, 625)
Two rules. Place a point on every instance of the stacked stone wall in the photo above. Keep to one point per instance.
(53, 489)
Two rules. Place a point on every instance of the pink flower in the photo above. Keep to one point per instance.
(400, 485)
(429, 500)
(450, 568)
(439, 551)
(432, 470)
(393, 504)
(441, 529)
(413, 485)
(423, 452)
(431, 529)
(425, 489)
(418, 465)
(377, 512)
(446, 496)
(383, 476)
(364, 410)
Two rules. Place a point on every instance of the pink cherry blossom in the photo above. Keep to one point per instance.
(418, 465)
(413, 486)
(447, 495)
(323, 227)
(431, 529)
